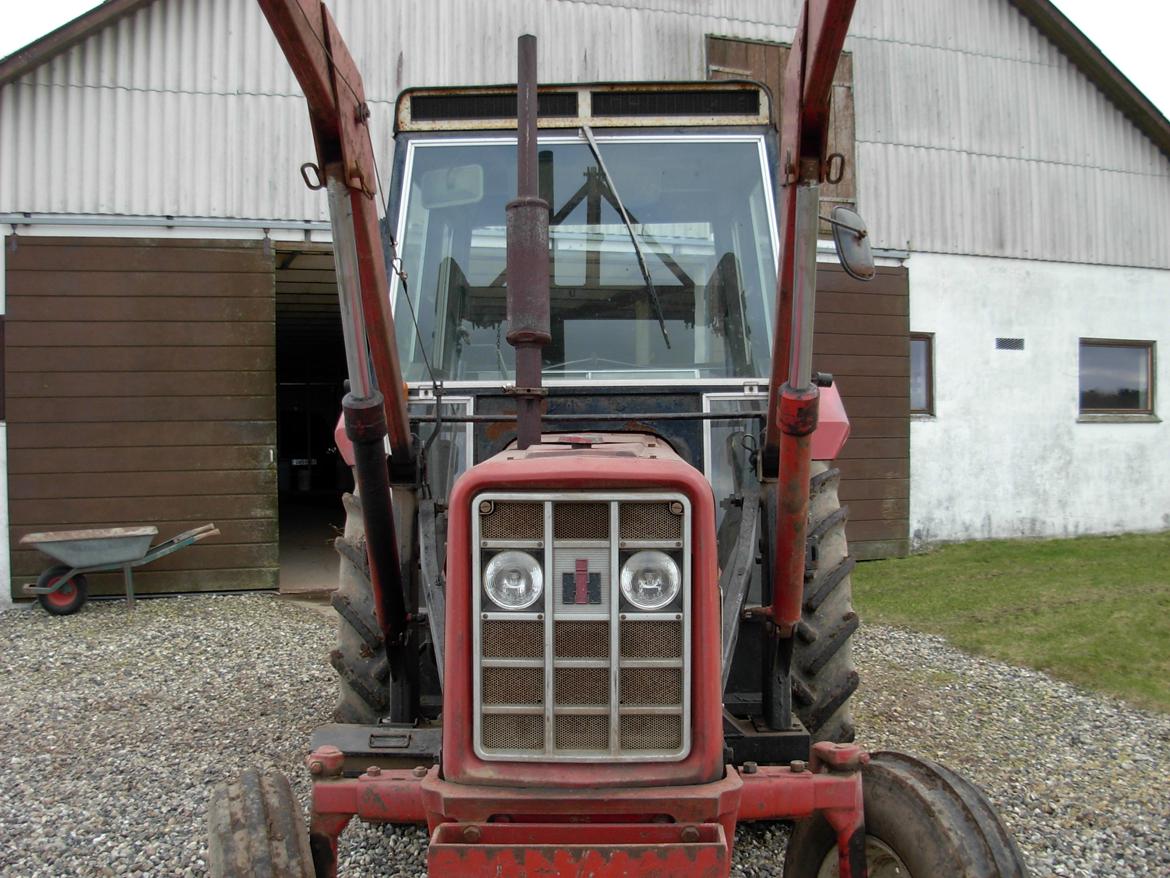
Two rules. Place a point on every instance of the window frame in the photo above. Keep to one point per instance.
(1147, 413)
(927, 337)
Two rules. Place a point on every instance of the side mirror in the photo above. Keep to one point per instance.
(852, 241)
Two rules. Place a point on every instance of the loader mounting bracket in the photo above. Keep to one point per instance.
(389, 745)
(748, 741)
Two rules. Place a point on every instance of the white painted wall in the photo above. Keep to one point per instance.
(1004, 455)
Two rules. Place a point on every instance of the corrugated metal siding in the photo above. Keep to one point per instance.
(975, 135)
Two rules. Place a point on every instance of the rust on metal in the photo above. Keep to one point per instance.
(325, 761)
(798, 421)
(527, 271)
(600, 850)
(97, 533)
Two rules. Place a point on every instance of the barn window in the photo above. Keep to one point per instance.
(922, 373)
(1116, 377)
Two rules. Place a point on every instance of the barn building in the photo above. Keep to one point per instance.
(171, 345)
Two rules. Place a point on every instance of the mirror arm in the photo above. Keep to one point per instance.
(861, 233)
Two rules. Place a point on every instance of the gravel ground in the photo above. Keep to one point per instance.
(114, 728)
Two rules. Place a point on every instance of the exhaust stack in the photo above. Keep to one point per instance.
(527, 272)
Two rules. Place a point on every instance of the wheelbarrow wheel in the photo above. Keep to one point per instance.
(921, 821)
(255, 829)
(67, 599)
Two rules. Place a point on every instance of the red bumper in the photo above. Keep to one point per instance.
(575, 850)
(601, 833)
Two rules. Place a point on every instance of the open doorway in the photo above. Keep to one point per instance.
(310, 371)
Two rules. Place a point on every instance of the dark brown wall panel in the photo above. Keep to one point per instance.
(141, 391)
(871, 369)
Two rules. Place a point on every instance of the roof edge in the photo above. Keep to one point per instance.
(67, 35)
(1102, 72)
(1043, 15)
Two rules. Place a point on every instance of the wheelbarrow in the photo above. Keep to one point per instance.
(62, 588)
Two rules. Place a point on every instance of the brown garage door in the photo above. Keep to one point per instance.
(140, 390)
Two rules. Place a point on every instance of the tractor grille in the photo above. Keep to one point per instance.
(582, 675)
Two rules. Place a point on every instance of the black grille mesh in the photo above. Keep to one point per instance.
(651, 639)
(648, 521)
(505, 732)
(724, 102)
(435, 108)
(651, 732)
(582, 733)
(513, 686)
(587, 687)
(657, 686)
(513, 521)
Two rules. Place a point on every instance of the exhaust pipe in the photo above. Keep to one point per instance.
(527, 271)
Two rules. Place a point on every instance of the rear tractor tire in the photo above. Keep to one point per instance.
(824, 676)
(256, 829)
(921, 821)
(360, 657)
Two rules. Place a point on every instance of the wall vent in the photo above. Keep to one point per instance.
(1009, 344)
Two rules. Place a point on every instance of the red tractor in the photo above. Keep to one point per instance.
(594, 608)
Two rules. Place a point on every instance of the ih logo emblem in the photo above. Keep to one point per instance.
(581, 586)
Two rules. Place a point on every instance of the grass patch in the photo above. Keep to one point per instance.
(1092, 610)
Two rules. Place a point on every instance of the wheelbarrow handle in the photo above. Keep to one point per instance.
(180, 541)
(194, 534)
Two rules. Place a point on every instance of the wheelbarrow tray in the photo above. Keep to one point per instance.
(95, 547)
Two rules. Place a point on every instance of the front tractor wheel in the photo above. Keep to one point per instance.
(921, 821)
(255, 829)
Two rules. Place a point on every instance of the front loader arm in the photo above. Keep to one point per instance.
(792, 391)
(339, 116)
(375, 407)
(804, 134)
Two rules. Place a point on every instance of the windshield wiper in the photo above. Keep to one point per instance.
(629, 228)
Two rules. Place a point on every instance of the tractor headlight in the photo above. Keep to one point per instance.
(513, 580)
(650, 580)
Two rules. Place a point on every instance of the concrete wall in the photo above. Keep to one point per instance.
(1005, 454)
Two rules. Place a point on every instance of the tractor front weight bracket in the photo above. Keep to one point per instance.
(490, 830)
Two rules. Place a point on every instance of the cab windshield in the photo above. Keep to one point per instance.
(699, 207)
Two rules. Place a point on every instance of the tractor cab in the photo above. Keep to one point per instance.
(663, 244)
(662, 234)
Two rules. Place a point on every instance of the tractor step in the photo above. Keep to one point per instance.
(575, 850)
